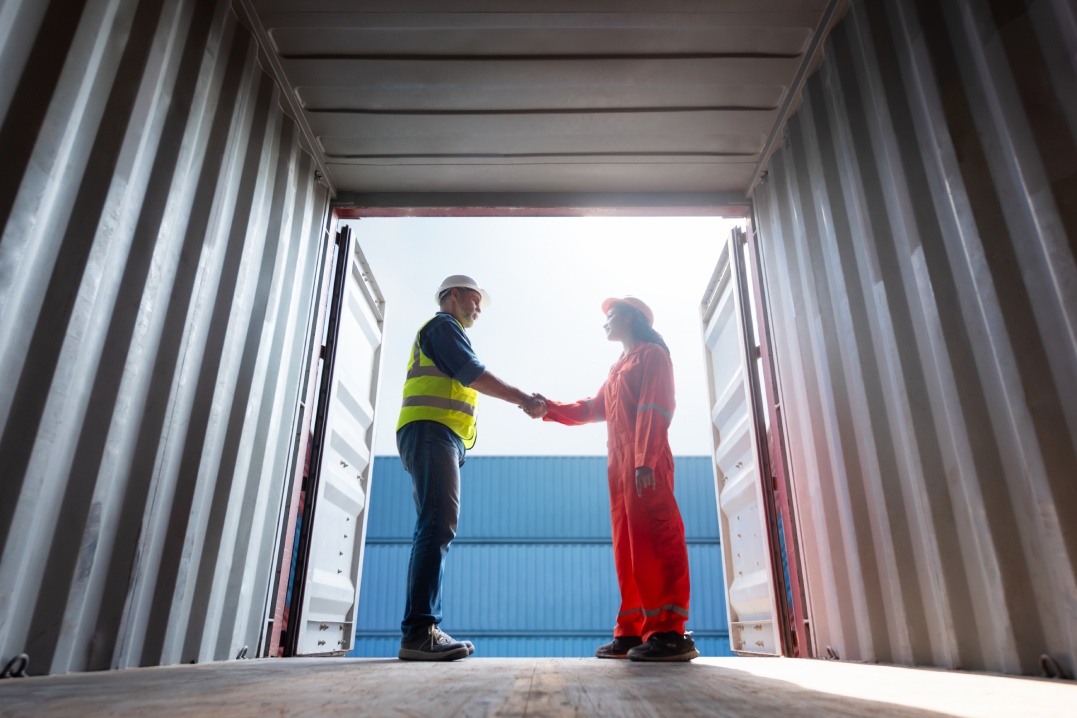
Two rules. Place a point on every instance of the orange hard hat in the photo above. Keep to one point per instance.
(632, 302)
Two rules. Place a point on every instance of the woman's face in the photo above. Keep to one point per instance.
(618, 324)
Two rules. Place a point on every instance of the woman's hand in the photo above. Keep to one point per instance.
(644, 479)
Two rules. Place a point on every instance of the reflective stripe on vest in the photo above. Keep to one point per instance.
(431, 395)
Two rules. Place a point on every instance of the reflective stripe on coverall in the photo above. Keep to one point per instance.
(650, 554)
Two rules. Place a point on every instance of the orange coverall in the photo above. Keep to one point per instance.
(649, 549)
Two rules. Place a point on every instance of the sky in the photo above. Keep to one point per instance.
(542, 332)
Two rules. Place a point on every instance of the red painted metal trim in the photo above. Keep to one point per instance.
(776, 448)
(284, 570)
(702, 211)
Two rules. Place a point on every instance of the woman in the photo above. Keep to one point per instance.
(651, 557)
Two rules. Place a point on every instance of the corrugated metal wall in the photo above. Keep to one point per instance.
(161, 233)
(919, 231)
(531, 570)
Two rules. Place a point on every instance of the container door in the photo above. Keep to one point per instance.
(332, 548)
(742, 514)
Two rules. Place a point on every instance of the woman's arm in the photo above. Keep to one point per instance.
(656, 405)
(584, 411)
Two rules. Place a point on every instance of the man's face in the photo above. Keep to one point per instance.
(468, 307)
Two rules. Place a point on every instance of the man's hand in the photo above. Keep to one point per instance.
(488, 384)
(644, 479)
(534, 406)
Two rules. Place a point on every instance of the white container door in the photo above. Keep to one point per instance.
(746, 552)
(330, 596)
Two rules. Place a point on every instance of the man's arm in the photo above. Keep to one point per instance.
(450, 350)
(490, 385)
(448, 347)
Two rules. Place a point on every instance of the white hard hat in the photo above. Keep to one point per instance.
(462, 281)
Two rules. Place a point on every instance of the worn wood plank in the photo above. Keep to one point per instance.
(506, 687)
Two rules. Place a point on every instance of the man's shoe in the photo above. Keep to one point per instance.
(668, 646)
(618, 647)
(470, 647)
(432, 644)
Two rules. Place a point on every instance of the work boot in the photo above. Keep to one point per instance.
(668, 646)
(618, 647)
(432, 644)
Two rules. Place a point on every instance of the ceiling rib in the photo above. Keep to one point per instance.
(297, 112)
(791, 96)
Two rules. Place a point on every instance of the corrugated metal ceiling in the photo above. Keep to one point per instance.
(591, 96)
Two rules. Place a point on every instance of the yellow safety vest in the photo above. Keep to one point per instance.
(430, 395)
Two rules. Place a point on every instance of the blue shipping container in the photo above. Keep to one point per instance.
(531, 570)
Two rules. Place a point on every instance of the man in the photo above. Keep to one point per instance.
(436, 428)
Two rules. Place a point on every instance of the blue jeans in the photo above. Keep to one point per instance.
(433, 454)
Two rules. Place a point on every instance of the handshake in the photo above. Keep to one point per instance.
(535, 406)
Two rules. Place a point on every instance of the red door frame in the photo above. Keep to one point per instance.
(795, 637)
